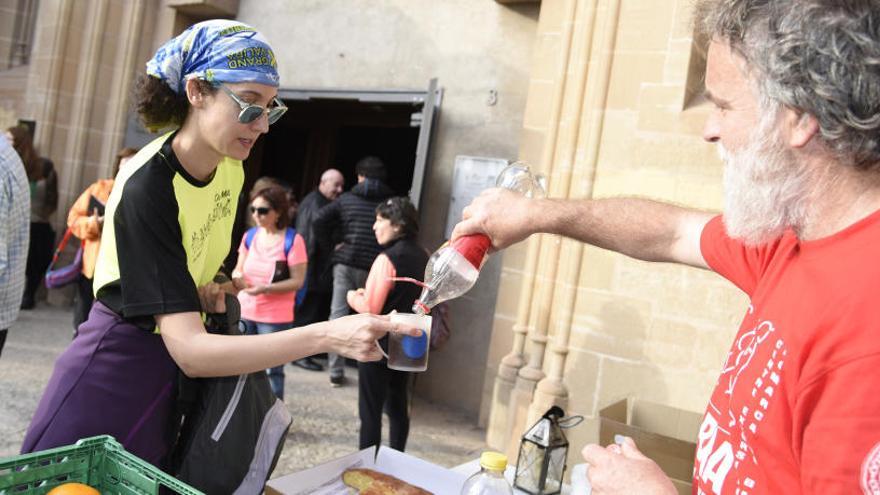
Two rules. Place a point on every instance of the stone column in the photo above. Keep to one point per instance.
(551, 390)
(497, 431)
(542, 297)
(87, 69)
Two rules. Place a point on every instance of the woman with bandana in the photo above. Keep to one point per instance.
(168, 227)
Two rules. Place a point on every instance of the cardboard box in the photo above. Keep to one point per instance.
(665, 434)
(326, 479)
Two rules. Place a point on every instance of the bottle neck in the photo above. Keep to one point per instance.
(492, 472)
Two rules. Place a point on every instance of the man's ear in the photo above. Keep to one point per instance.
(801, 128)
(194, 93)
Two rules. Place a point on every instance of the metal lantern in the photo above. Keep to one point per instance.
(542, 454)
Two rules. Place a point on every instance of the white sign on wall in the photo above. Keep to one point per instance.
(471, 176)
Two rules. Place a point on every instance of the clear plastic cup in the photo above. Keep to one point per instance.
(406, 353)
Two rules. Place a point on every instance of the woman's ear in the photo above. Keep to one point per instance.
(194, 93)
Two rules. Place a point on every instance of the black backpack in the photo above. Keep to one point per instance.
(233, 428)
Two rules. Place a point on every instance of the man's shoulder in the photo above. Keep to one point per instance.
(312, 199)
(11, 167)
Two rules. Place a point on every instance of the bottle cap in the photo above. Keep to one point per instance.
(494, 461)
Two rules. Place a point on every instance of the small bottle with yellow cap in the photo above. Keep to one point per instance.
(490, 480)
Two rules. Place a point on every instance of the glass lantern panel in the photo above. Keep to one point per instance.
(555, 470)
(528, 467)
(540, 433)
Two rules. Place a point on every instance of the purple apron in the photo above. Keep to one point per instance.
(114, 378)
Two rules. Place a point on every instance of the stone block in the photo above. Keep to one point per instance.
(501, 343)
(547, 54)
(538, 108)
(597, 268)
(509, 287)
(679, 59)
(514, 257)
(609, 324)
(552, 17)
(532, 141)
(622, 379)
(682, 25)
(661, 96)
(705, 194)
(629, 72)
(581, 379)
(644, 26)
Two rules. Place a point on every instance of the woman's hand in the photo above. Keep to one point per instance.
(351, 295)
(355, 336)
(213, 298)
(238, 283)
(256, 290)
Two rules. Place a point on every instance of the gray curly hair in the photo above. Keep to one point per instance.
(819, 57)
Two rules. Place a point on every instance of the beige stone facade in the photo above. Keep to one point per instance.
(601, 95)
(614, 109)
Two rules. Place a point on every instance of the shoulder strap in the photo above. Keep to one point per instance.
(289, 236)
(249, 237)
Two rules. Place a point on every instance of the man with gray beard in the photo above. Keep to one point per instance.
(795, 86)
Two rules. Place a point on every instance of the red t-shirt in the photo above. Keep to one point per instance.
(797, 406)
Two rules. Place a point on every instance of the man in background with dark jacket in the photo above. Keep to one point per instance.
(354, 212)
(315, 305)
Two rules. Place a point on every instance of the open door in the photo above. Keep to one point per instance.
(430, 110)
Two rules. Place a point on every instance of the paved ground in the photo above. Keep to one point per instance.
(325, 419)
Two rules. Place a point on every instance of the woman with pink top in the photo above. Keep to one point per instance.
(271, 267)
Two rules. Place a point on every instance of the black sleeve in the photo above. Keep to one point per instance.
(154, 278)
(326, 219)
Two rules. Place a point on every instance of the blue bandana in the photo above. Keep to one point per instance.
(219, 51)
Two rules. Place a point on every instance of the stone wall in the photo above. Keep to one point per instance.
(613, 110)
(472, 48)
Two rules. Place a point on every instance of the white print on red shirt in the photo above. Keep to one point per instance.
(870, 480)
(724, 441)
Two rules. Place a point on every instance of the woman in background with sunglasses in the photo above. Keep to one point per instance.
(271, 267)
(168, 228)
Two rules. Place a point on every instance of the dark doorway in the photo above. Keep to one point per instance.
(317, 134)
(328, 129)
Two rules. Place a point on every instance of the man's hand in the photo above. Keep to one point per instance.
(355, 336)
(501, 214)
(623, 469)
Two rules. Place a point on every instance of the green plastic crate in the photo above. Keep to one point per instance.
(100, 462)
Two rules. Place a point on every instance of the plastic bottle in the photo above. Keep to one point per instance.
(453, 269)
(490, 480)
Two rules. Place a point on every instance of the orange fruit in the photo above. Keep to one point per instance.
(73, 489)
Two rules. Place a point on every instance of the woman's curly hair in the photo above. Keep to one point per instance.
(159, 106)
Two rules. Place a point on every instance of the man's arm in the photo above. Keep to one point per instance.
(641, 228)
(6, 222)
(326, 218)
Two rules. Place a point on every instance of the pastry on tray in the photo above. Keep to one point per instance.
(370, 482)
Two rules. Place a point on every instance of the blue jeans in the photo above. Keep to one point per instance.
(345, 278)
(276, 374)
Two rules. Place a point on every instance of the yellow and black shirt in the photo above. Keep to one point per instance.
(169, 234)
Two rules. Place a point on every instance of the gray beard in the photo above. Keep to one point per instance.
(765, 188)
